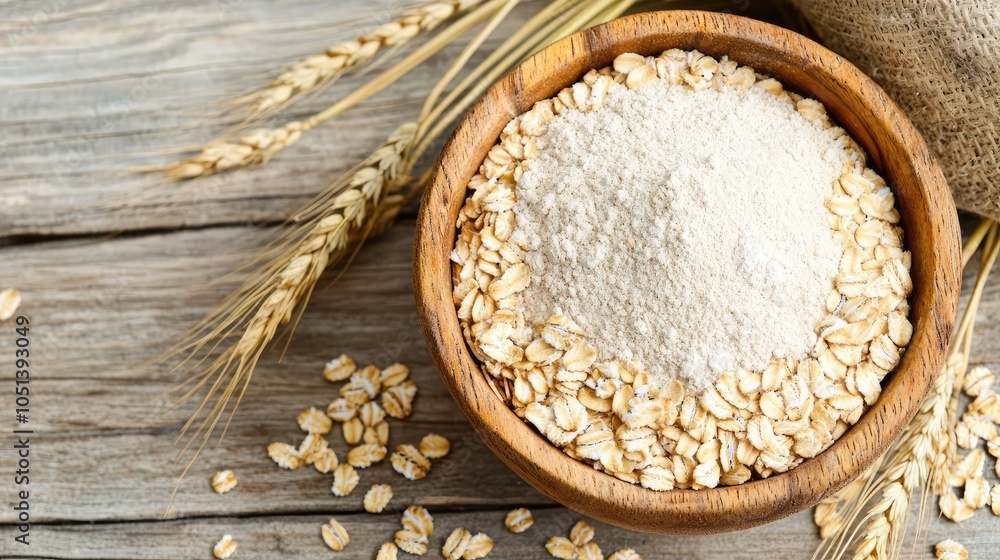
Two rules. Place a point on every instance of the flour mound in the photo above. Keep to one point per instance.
(684, 230)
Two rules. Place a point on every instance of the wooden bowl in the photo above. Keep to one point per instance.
(856, 103)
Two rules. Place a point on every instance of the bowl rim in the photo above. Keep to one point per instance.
(578, 485)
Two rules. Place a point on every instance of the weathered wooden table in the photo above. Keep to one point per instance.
(115, 265)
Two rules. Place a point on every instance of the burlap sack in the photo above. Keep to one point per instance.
(940, 61)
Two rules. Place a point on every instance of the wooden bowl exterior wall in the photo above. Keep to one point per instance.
(895, 149)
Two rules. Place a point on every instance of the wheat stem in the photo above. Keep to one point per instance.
(967, 324)
(584, 19)
(463, 58)
(503, 56)
(574, 15)
(975, 239)
(548, 29)
(404, 66)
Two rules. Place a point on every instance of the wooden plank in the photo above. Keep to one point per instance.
(297, 536)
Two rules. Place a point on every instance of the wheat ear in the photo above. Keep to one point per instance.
(829, 514)
(309, 74)
(908, 470)
(253, 148)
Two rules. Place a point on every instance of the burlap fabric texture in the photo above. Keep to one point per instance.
(940, 61)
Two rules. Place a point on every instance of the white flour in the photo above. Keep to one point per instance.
(683, 230)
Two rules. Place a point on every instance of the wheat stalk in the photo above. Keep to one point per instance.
(309, 74)
(285, 283)
(259, 145)
(919, 460)
(332, 227)
(362, 203)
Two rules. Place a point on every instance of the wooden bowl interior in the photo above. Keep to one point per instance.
(856, 103)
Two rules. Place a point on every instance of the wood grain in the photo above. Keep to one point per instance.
(106, 304)
(855, 102)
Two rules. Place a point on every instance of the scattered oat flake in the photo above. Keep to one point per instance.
(626, 554)
(340, 410)
(950, 550)
(339, 368)
(418, 519)
(434, 446)
(10, 300)
(977, 492)
(970, 465)
(377, 498)
(225, 548)
(371, 414)
(519, 520)
(311, 446)
(223, 481)
(369, 376)
(409, 462)
(995, 499)
(394, 375)
(387, 552)
(590, 551)
(397, 401)
(365, 455)
(334, 535)
(479, 546)
(953, 508)
(359, 392)
(456, 543)
(354, 430)
(581, 533)
(977, 380)
(286, 456)
(379, 433)
(561, 547)
(325, 461)
(345, 480)
(411, 542)
(315, 421)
